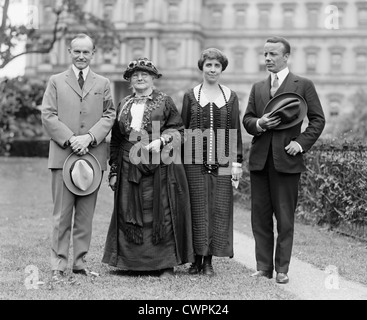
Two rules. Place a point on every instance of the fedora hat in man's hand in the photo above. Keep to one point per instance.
(289, 106)
(82, 174)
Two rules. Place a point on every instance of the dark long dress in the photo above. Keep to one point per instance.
(211, 191)
(161, 235)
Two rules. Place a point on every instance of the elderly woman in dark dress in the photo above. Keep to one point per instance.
(214, 163)
(151, 223)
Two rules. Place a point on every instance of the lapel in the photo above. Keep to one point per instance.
(72, 81)
(291, 83)
(265, 91)
(89, 83)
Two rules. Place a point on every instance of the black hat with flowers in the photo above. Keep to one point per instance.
(141, 64)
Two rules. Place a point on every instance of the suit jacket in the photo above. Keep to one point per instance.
(68, 111)
(279, 139)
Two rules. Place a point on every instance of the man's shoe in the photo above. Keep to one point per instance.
(57, 276)
(208, 269)
(282, 278)
(83, 272)
(262, 273)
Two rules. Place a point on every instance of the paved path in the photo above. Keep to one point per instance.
(305, 281)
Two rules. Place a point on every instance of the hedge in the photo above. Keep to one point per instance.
(333, 190)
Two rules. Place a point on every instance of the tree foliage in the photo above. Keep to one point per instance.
(353, 125)
(20, 116)
(67, 17)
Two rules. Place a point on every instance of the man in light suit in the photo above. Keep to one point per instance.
(77, 113)
(276, 159)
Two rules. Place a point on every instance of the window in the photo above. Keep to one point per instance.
(261, 58)
(139, 11)
(311, 59)
(336, 62)
(108, 11)
(240, 18)
(341, 17)
(362, 18)
(288, 14)
(264, 18)
(217, 17)
(362, 13)
(264, 10)
(172, 57)
(313, 12)
(313, 18)
(288, 21)
(361, 60)
(239, 60)
(173, 11)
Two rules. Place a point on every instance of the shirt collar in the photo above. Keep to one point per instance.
(76, 71)
(282, 74)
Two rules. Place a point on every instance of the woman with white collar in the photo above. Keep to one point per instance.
(213, 160)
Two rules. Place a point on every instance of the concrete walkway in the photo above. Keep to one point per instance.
(305, 281)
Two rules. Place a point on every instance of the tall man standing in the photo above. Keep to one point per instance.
(77, 113)
(276, 158)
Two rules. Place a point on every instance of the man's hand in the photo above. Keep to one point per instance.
(80, 144)
(293, 148)
(267, 123)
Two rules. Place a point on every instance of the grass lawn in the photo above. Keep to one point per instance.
(25, 225)
(318, 246)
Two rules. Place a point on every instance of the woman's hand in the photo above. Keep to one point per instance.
(236, 173)
(154, 146)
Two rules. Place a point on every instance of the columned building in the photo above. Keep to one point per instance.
(328, 42)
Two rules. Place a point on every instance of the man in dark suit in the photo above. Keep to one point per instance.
(77, 113)
(276, 159)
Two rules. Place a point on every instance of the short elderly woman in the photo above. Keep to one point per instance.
(150, 228)
(211, 111)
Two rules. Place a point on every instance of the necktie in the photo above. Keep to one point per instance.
(275, 86)
(81, 80)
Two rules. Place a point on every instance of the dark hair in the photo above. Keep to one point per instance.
(287, 46)
(82, 36)
(210, 54)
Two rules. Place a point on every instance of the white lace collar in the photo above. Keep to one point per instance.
(219, 102)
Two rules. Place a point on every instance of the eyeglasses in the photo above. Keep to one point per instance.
(142, 63)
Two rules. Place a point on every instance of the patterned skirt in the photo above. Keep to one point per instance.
(212, 212)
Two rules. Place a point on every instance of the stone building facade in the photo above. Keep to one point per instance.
(328, 42)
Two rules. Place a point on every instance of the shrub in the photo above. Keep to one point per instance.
(20, 116)
(334, 187)
(332, 191)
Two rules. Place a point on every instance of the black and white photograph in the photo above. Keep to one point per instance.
(183, 157)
